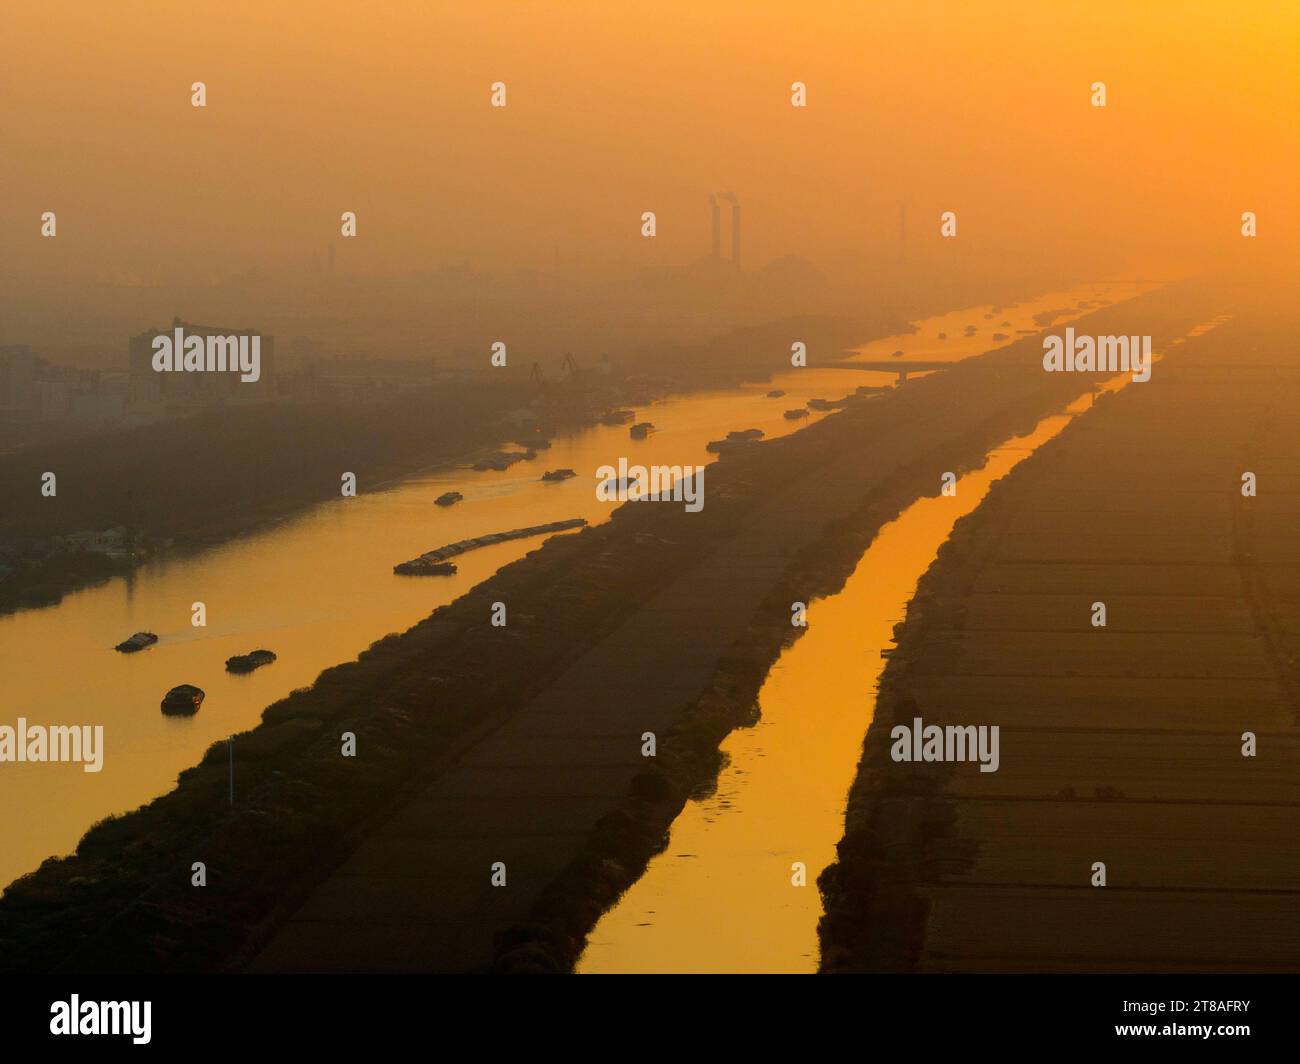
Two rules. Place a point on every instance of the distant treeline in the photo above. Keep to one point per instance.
(219, 472)
(226, 470)
(223, 470)
(124, 901)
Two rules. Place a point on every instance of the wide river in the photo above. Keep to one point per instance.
(318, 588)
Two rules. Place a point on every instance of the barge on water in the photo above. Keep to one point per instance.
(254, 659)
(435, 563)
(424, 567)
(734, 439)
(136, 642)
(183, 700)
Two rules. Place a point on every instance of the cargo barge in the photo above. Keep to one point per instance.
(183, 700)
(254, 659)
(434, 562)
(136, 643)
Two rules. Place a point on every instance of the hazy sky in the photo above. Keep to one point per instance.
(619, 107)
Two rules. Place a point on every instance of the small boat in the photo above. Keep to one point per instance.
(820, 404)
(448, 498)
(554, 476)
(254, 659)
(137, 642)
(745, 434)
(897, 354)
(776, 393)
(795, 415)
(183, 700)
(641, 430)
(943, 336)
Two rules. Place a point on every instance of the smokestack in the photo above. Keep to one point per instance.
(730, 197)
(735, 233)
(717, 226)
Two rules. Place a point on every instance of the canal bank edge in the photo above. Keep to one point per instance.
(124, 901)
(689, 760)
(917, 832)
(382, 457)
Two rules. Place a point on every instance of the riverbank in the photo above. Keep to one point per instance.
(266, 589)
(619, 850)
(421, 702)
(778, 802)
(1130, 826)
(175, 488)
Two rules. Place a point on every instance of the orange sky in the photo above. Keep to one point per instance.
(615, 108)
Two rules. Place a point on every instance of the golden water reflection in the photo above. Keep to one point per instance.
(319, 588)
(720, 898)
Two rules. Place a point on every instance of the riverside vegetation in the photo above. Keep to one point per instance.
(188, 484)
(414, 701)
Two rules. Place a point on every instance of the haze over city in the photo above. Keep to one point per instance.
(596, 488)
(476, 223)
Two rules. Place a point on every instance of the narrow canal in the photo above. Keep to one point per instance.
(720, 897)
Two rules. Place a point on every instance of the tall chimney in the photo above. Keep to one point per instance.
(735, 233)
(717, 226)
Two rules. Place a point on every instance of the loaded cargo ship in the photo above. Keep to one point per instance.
(434, 562)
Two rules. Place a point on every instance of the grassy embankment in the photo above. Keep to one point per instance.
(124, 901)
(688, 760)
